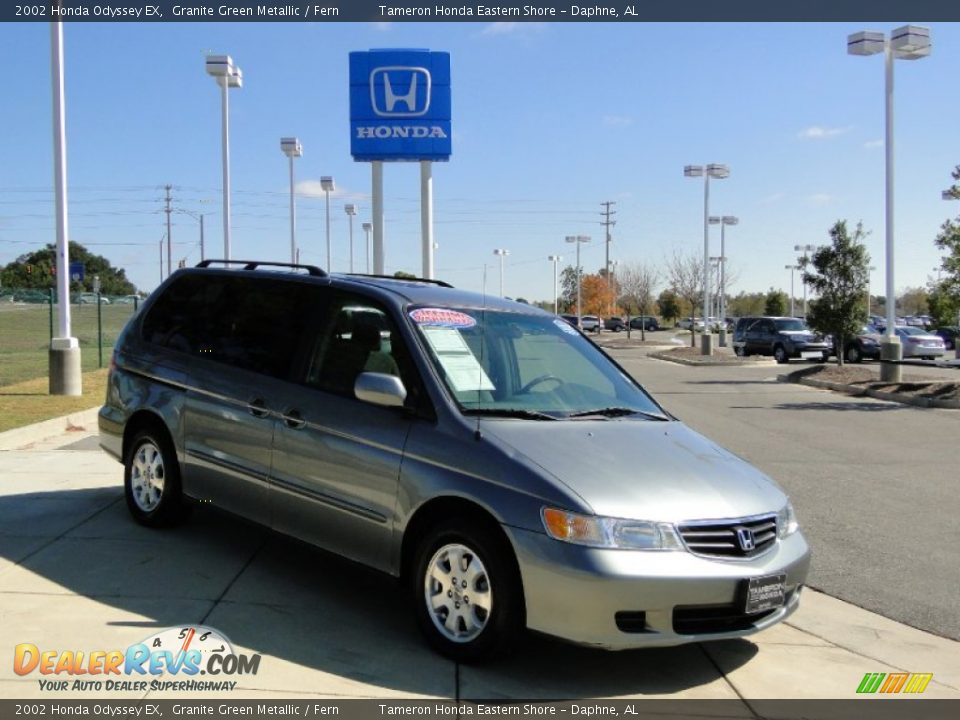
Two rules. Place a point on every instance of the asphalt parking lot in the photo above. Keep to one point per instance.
(76, 572)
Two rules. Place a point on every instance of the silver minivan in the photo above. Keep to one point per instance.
(484, 451)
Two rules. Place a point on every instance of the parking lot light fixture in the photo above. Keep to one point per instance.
(578, 240)
(328, 186)
(717, 171)
(228, 76)
(292, 149)
(723, 221)
(910, 42)
(351, 210)
(555, 259)
(791, 268)
(367, 227)
(502, 253)
(805, 249)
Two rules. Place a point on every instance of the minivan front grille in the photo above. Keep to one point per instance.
(740, 538)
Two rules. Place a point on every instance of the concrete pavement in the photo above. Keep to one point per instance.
(76, 572)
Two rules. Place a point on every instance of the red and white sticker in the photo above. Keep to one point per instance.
(441, 317)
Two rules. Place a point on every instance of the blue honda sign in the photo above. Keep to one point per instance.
(400, 105)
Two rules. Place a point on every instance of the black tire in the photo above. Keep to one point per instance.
(151, 457)
(738, 351)
(780, 355)
(500, 582)
(853, 354)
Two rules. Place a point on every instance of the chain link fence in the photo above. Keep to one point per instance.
(28, 320)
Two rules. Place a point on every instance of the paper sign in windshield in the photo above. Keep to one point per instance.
(442, 318)
(456, 359)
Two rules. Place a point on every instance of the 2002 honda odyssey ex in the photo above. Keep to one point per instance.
(456, 440)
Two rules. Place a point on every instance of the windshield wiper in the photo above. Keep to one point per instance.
(509, 412)
(617, 412)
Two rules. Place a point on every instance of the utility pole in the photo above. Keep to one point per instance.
(608, 223)
(168, 210)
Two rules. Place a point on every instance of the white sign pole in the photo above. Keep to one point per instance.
(426, 216)
(376, 168)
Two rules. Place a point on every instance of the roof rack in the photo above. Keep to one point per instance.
(441, 283)
(254, 264)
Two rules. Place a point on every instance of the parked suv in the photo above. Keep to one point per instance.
(452, 439)
(645, 322)
(782, 337)
(740, 332)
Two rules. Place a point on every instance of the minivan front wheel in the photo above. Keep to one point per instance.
(780, 355)
(152, 480)
(466, 592)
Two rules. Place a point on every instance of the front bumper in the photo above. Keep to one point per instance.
(621, 599)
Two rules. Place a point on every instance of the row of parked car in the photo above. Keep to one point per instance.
(786, 338)
(592, 323)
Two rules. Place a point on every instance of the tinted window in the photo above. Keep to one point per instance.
(251, 323)
(790, 324)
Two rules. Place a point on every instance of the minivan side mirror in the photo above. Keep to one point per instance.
(380, 389)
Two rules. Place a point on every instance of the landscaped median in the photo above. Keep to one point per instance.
(919, 391)
(694, 356)
(28, 402)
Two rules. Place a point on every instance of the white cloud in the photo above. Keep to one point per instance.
(617, 120)
(820, 199)
(507, 28)
(873, 144)
(815, 132)
(313, 189)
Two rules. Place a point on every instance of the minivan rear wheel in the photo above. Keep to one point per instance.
(151, 480)
(466, 592)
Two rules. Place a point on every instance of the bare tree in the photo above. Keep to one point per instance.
(685, 273)
(636, 282)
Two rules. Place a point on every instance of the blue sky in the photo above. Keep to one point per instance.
(548, 119)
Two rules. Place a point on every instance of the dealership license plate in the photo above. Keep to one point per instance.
(811, 354)
(765, 593)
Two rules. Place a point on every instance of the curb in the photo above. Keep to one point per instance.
(83, 420)
(923, 402)
(707, 363)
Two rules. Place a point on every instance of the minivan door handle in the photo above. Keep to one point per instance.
(293, 419)
(258, 408)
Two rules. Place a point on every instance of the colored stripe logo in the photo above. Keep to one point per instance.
(891, 683)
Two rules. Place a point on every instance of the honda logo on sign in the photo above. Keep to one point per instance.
(400, 91)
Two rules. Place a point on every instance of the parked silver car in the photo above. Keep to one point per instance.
(918, 343)
(452, 439)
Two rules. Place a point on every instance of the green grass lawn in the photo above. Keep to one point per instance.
(25, 338)
(28, 402)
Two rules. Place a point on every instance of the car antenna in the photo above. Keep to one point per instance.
(477, 435)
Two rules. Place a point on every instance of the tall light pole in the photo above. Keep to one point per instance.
(718, 171)
(791, 268)
(196, 216)
(292, 149)
(228, 76)
(805, 249)
(328, 186)
(869, 270)
(909, 42)
(503, 254)
(351, 210)
(367, 227)
(555, 259)
(65, 377)
(723, 221)
(578, 240)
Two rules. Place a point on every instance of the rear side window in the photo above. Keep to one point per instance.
(251, 323)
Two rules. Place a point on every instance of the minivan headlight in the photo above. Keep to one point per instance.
(605, 532)
(787, 521)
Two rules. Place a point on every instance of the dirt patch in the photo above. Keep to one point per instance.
(861, 377)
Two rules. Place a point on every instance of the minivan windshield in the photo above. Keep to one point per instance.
(535, 367)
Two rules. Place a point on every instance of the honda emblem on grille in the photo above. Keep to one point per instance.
(745, 538)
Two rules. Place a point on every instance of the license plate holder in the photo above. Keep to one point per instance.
(765, 593)
(811, 354)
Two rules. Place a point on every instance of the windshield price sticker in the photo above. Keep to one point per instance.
(440, 317)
